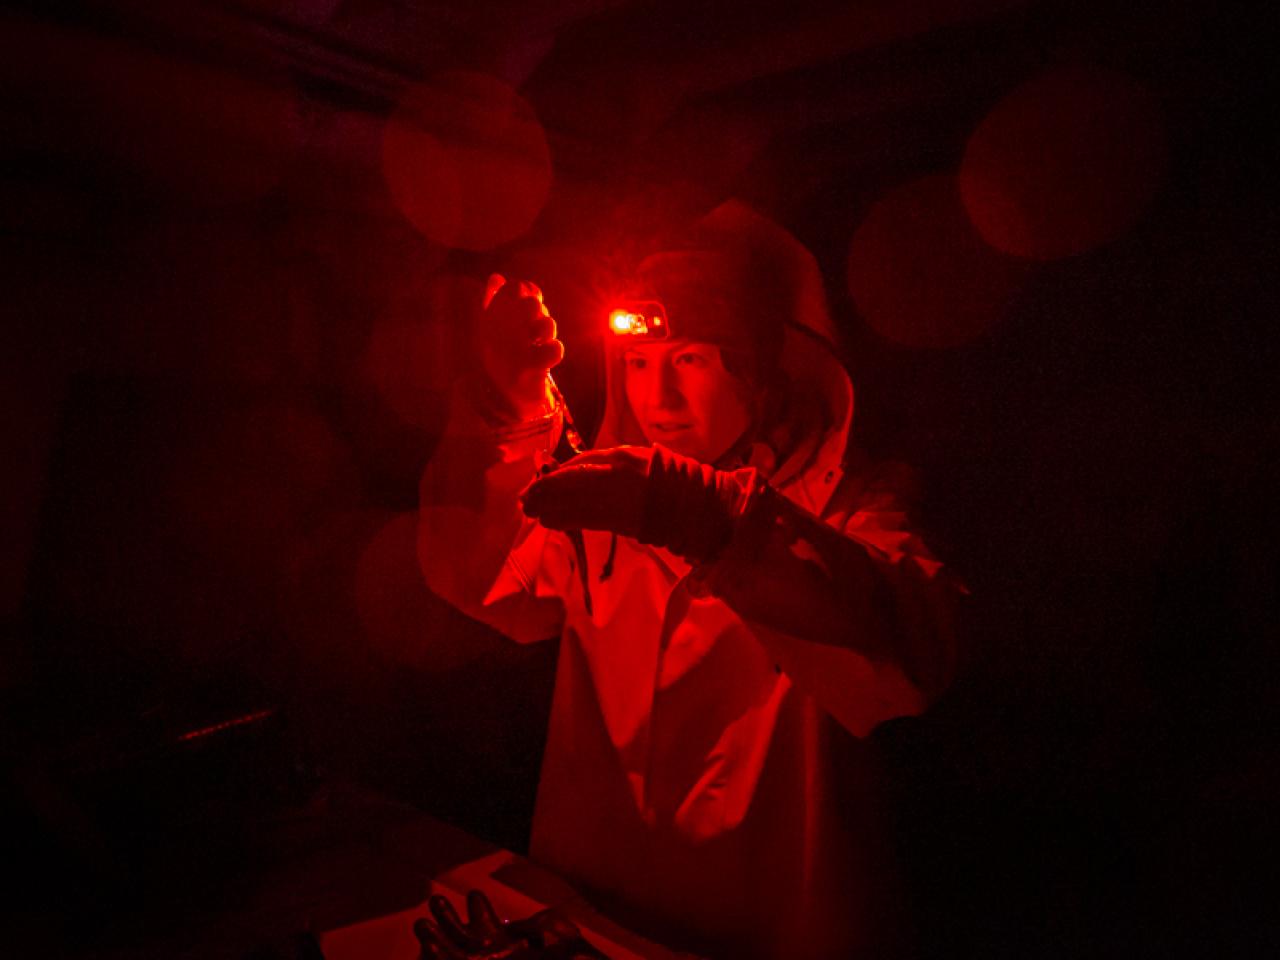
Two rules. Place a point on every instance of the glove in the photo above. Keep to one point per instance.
(516, 343)
(650, 494)
(544, 936)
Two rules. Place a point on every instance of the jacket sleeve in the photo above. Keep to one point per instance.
(476, 549)
(854, 609)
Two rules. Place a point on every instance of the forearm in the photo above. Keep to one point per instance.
(815, 591)
(475, 547)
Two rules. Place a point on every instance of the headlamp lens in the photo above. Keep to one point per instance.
(643, 320)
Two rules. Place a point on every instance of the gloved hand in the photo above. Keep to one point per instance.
(544, 936)
(650, 494)
(516, 344)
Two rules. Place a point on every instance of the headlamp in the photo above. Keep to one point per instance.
(640, 320)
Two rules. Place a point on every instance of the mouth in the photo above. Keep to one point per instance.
(668, 428)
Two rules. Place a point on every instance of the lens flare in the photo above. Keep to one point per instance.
(466, 161)
(640, 319)
(1065, 163)
(919, 273)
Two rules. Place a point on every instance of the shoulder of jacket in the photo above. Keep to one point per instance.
(875, 485)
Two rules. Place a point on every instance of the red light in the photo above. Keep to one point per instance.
(640, 319)
(243, 721)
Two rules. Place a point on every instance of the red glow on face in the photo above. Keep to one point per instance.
(1063, 164)
(919, 273)
(682, 396)
(466, 161)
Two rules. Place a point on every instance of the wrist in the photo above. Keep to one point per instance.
(693, 509)
(530, 399)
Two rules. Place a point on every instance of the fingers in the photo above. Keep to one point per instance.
(482, 920)
(501, 295)
(530, 289)
(444, 913)
(557, 498)
(522, 316)
(443, 936)
(517, 326)
(587, 496)
(495, 283)
(435, 945)
(449, 923)
(517, 288)
(606, 457)
(633, 457)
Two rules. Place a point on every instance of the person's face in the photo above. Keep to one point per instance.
(684, 398)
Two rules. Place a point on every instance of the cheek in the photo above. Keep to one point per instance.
(634, 390)
(723, 413)
(700, 401)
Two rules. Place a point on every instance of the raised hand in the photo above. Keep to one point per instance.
(516, 344)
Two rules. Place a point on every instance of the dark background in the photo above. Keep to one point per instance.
(229, 346)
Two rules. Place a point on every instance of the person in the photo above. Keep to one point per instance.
(738, 596)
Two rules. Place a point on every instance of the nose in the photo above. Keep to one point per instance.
(664, 389)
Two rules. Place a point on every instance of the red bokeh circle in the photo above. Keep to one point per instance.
(920, 275)
(466, 161)
(1068, 161)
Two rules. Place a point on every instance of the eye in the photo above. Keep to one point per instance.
(690, 358)
(634, 362)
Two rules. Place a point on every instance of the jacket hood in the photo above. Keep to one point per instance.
(745, 283)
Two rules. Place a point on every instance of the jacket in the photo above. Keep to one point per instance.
(704, 774)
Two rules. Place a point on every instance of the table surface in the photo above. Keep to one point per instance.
(354, 869)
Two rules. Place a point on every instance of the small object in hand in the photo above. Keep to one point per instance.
(547, 935)
(546, 463)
